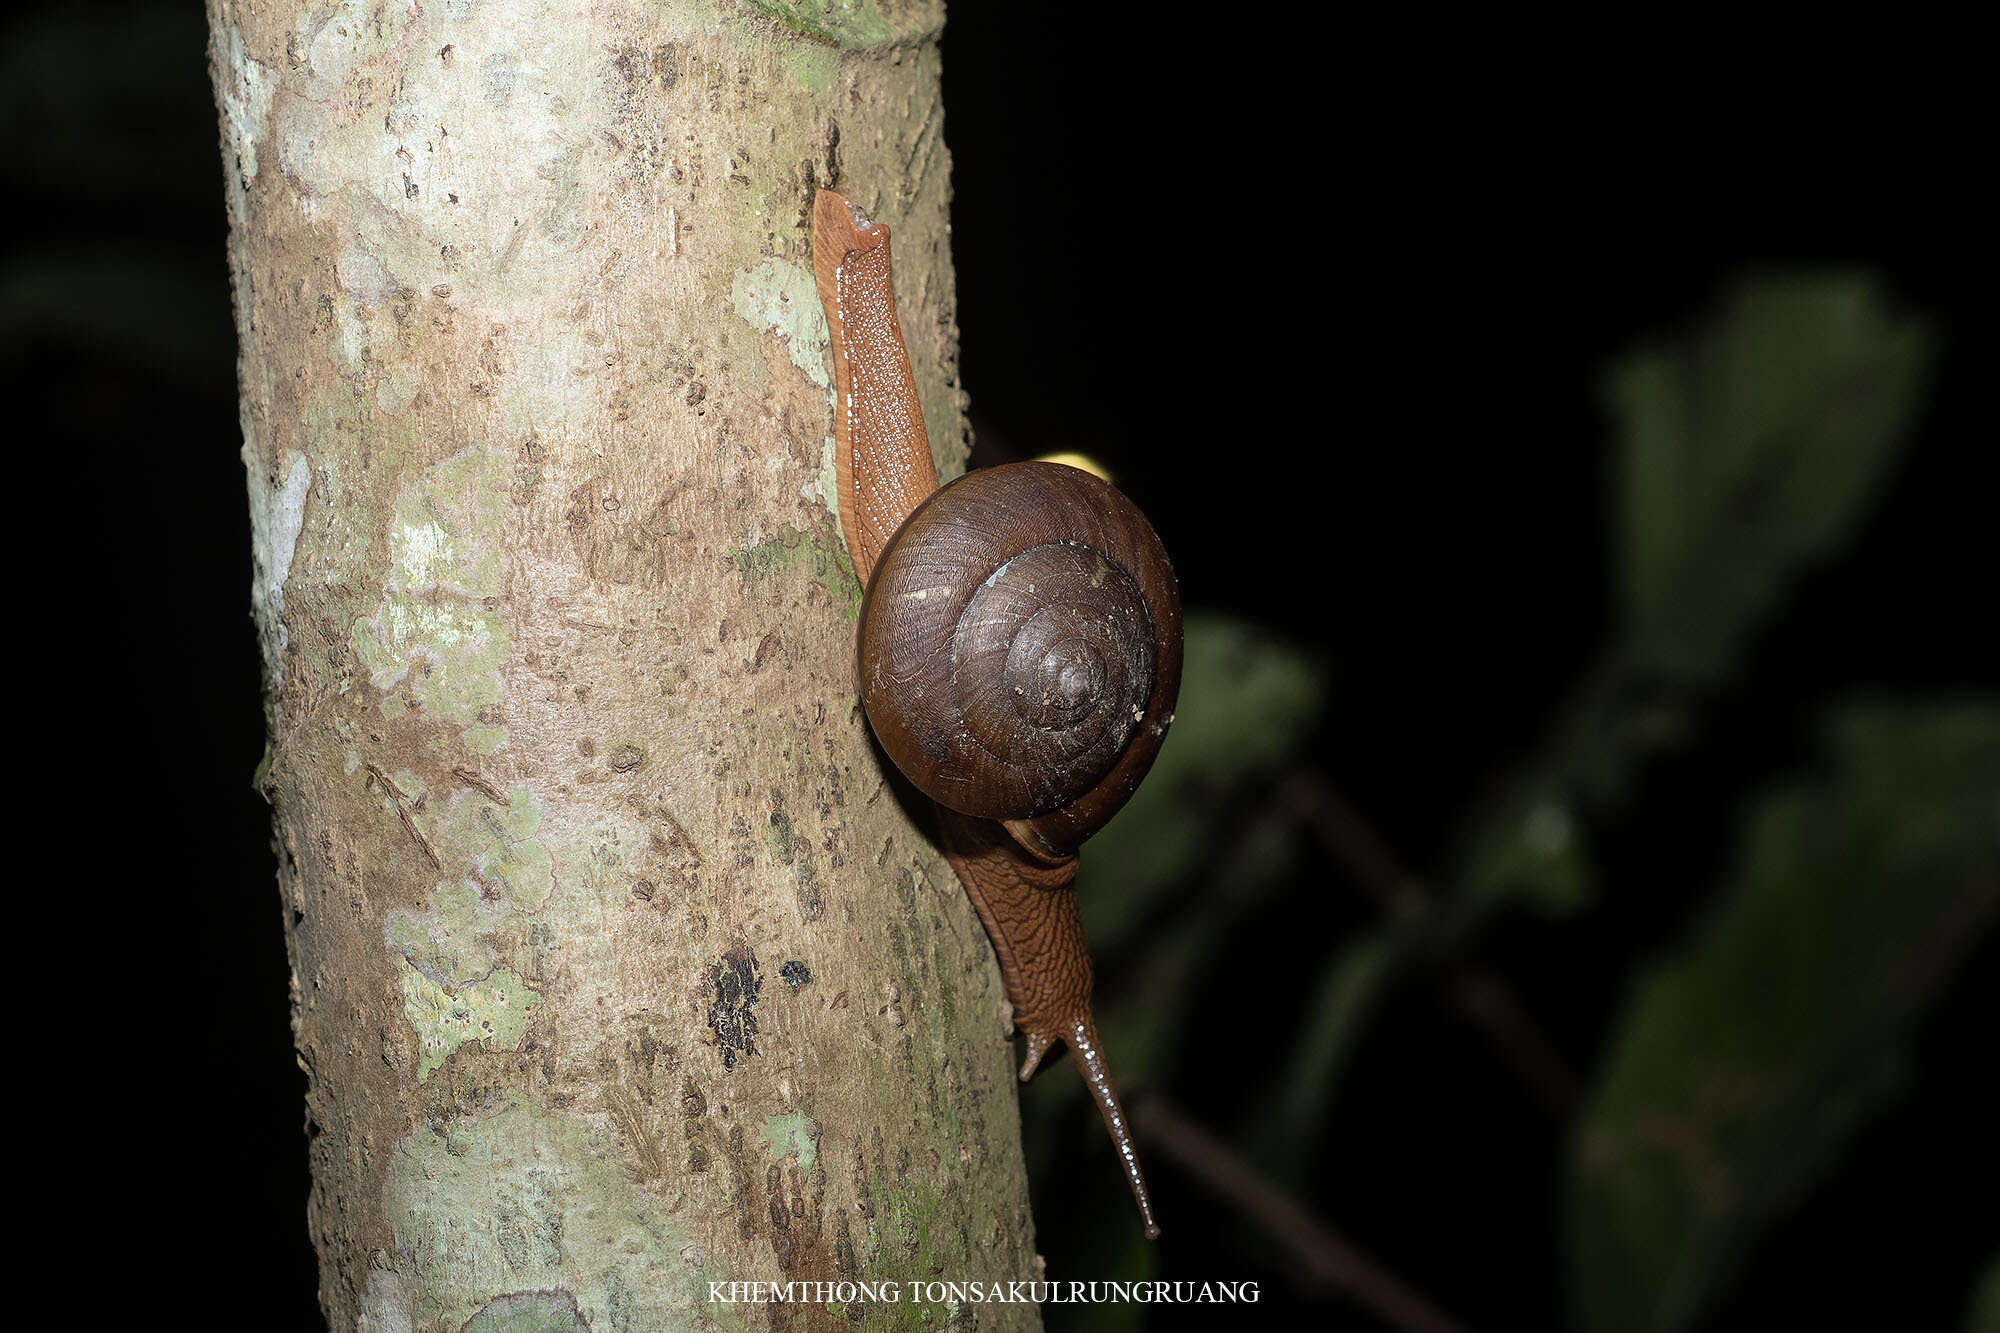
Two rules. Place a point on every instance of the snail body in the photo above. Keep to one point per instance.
(1019, 654)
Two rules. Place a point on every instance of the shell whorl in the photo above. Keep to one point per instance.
(1020, 650)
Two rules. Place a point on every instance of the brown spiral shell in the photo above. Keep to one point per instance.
(1021, 650)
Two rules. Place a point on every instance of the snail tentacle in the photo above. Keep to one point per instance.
(1030, 914)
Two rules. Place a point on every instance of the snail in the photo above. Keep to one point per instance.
(1019, 654)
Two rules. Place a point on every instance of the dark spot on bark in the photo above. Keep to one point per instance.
(846, 1262)
(627, 757)
(643, 890)
(527, 482)
(693, 1108)
(674, 852)
(742, 1185)
(737, 982)
(667, 63)
(780, 840)
(586, 747)
(812, 904)
(796, 1211)
(796, 973)
(864, 1202)
(644, 1054)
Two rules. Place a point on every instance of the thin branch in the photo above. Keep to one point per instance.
(1352, 841)
(1485, 999)
(1480, 994)
(1329, 1261)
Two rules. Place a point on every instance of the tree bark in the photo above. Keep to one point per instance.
(617, 968)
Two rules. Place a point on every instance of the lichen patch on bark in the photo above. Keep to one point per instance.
(277, 513)
(514, 1199)
(780, 296)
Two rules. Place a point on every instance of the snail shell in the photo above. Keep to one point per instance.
(1021, 650)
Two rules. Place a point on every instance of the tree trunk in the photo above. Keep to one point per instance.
(618, 971)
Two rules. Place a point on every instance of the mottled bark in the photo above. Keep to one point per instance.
(617, 968)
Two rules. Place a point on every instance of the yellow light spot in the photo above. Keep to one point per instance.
(1083, 462)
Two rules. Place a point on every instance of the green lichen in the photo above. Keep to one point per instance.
(778, 837)
(492, 1011)
(498, 873)
(829, 479)
(485, 740)
(436, 626)
(913, 1240)
(447, 943)
(793, 1135)
(506, 857)
(461, 653)
(817, 553)
(813, 67)
(849, 23)
(529, 1312)
(781, 296)
(523, 1200)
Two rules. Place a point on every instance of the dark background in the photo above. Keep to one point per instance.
(1331, 301)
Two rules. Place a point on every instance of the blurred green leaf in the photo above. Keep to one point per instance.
(1741, 1068)
(1537, 857)
(1348, 988)
(1172, 977)
(1749, 451)
(1983, 1314)
(1247, 702)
